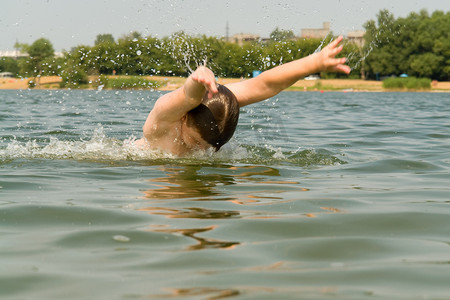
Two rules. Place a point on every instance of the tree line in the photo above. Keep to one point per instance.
(418, 45)
(176, 55)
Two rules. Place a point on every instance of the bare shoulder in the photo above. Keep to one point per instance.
(161, 134)
(164, 116)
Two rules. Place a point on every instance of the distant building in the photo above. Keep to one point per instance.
(13, 54)
(242, 38)
(356, 37)
(17, 54)
(318, 33)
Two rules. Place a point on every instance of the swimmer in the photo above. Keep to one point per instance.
(202, 114)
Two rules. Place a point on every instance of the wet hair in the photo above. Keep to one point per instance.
(216, 118)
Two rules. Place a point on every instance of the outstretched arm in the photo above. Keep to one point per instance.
(273, 81)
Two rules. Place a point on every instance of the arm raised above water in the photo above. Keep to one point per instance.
(172, 107)
(273, 81)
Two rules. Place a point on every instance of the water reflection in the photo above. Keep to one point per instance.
(209, 182)
(186, 182)
(242, 185)
(202, 243)
(192, 213)
(210, 293)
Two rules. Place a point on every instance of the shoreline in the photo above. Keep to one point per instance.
(172, 83)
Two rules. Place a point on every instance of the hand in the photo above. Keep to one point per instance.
(328, 61)
(205, 77)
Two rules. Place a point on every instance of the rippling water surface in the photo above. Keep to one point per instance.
(318, 196)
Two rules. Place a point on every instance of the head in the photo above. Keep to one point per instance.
(215, 119)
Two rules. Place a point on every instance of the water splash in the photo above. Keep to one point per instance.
(101, 148)
(322, 42)
(98, 148)
(185, 51)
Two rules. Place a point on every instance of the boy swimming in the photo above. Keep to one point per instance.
(201, 114)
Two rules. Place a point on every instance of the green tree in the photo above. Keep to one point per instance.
(8, 64)
(139, 56)
(74, 78)
(230, 60)
(425, 65)
(80, 57)
(135, 35)
(104, 38)
(53, 65)
(418, 45)
(23, 47)
(103, 58)
(40, 53)
(278, 35)
(379, 43)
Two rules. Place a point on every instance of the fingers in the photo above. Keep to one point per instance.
(337, 65)
(205, 77)
(336, 51)
(336, 42)
(343, 69)
(211, 86)
(340, 61)
(334, 48)
(330, 62)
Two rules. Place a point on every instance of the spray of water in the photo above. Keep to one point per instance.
(101, 148)
(187, 51)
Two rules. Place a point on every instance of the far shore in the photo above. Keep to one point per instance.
(172, 83)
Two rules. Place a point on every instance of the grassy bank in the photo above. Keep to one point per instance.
(408, 83)
(126, 83)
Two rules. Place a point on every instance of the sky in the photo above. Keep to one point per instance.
(69, 23)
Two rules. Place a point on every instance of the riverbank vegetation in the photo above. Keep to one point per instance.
(127, 82)
(417, 45)
(176, 55)
(409, 83)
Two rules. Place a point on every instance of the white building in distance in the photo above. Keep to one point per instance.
(17, 54)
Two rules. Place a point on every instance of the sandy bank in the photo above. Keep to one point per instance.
(171, 83)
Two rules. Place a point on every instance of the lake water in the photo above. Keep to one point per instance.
(318, 196)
